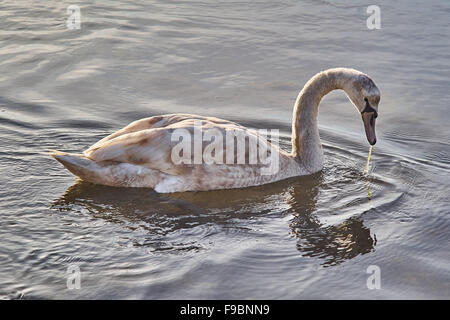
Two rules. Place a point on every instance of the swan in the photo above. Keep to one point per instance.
(142, 153)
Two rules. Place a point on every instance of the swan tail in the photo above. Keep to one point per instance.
(79, 165)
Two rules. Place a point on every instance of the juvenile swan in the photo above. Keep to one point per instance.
(143, 153)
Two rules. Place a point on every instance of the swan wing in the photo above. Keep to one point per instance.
(135, 126)
(149, 142)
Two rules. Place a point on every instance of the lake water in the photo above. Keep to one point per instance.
(246, 61)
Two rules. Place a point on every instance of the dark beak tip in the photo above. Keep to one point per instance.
(373, 142)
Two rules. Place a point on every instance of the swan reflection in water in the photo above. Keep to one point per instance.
(162, 214)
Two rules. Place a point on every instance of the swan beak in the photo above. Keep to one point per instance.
(369, 125)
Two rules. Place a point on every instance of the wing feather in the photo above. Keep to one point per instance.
(148, 142)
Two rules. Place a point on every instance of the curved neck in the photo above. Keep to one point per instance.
(306, 145)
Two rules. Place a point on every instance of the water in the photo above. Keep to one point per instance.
(306, 237)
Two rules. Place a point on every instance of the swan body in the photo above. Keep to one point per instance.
(142, 153)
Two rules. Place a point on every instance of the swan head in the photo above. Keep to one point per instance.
(365, 96)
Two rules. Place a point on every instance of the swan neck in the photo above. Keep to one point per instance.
(306, 145)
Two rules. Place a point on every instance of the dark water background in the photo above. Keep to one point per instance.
(306, 237)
